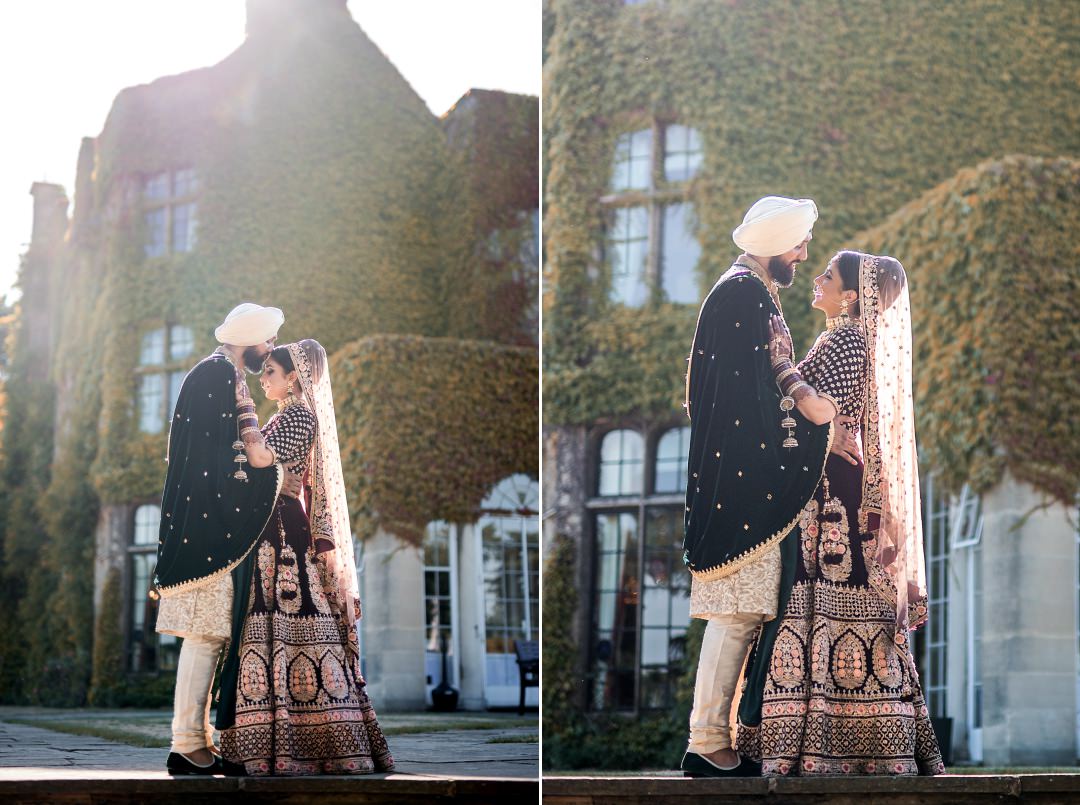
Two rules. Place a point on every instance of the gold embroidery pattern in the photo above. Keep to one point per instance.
(856, 709)
(808, 526)
(316, 582)
(754, 589)
(871, 497)
(267, 561)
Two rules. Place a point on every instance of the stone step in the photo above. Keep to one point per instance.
(83, 788)
(944, 790)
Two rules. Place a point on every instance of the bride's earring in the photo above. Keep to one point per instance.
(845, 319)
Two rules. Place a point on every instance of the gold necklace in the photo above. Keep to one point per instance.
(289, 401)
(841, 321)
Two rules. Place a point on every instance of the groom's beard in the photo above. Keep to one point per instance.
(783, 273)
(253, 360)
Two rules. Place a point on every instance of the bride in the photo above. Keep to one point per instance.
(292, 699)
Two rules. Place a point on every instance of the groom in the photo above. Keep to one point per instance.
(213, 509)
(752, 466)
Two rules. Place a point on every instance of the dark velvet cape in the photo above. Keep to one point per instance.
(209, 519)
(744, 489)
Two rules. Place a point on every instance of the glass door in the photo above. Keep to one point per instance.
(510, 549)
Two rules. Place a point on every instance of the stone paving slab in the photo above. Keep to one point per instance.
(30, 751)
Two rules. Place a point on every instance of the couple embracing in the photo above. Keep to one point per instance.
(255, 567)
(803, 524)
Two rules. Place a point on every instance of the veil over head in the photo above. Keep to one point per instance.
(891, 505)
(329, 511)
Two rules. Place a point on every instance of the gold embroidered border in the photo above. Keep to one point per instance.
(755, 553)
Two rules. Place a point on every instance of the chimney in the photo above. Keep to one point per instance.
(50, 215)
(270, 16)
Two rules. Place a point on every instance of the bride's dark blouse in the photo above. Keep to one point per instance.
(290, 433)
(836, 368)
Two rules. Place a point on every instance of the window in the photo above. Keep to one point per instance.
(640, 589)
(440, 561)
(650, 241)
(671, 452)
(621, 463)
(159, 376)
(147, 650)
(934, 655)
(170, 216)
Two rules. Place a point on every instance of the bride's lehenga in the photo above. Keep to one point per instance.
(300, 700)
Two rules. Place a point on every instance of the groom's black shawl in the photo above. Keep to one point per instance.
(209, 519)
(744, 489)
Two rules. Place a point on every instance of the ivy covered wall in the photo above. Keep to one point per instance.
(994, 265)
(324, 187)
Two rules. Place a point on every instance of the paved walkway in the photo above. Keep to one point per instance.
(31, 751)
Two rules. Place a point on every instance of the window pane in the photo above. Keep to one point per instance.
(628, 249)
(147, 519)
(621, 463)
(156, 187)
(671, 453)
(614, 649)
(181, 342)
(682, 153)
(156, 232)
(152, 352)
(633, 161)
(176, 380)
(184, 182)
(680, 251)
(184, 227)
(151, 398)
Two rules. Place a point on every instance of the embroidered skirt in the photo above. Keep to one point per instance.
(841, 692)
(301, 704)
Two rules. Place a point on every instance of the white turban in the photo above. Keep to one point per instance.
(775, 225)
(249, 324)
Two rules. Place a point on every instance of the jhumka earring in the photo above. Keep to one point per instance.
(845, 319)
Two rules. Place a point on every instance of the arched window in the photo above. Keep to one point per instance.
(640, 588)
(648, 203)
(622, 461)
(671, 451)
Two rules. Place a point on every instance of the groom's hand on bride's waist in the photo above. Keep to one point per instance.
(293, 483)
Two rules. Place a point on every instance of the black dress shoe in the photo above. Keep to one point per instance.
(694, 765)
(178, 764)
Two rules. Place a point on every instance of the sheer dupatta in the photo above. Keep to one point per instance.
(329, 511)
(891, 507)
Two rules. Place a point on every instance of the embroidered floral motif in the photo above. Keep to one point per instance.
(267, 561)
(302, 684)
(333, 676)
(849, 662)
(254, 684)
(808, 525)
(317, 582)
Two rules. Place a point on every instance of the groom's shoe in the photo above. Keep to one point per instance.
(695, 765)
(178, 764)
